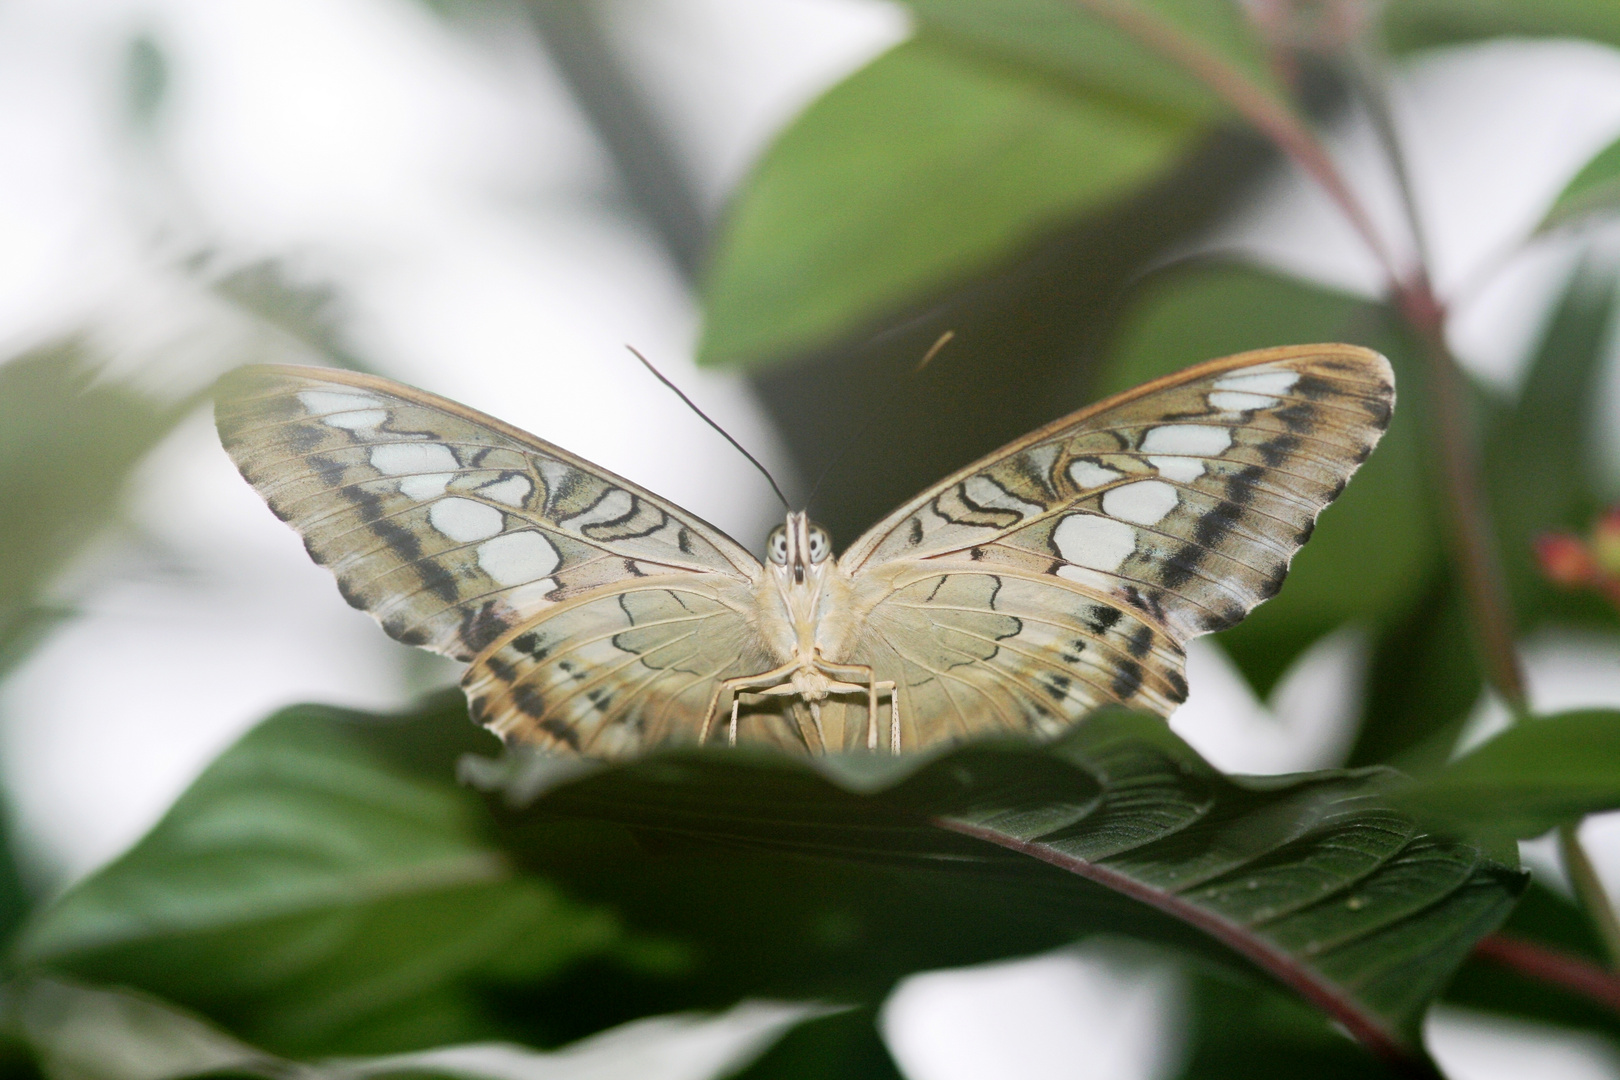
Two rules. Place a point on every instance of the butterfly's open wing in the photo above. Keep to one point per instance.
(1066, 570)
(457, 531)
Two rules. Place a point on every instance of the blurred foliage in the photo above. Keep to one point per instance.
(841, 223)
(1029, 174)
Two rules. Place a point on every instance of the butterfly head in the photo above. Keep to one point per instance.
(799, 548)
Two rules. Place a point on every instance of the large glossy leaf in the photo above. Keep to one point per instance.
(316, 900)
(1534, 776)
(1313, 880)
(80, 1032)
(1120, 48)
(1375, 550)
(930, 163)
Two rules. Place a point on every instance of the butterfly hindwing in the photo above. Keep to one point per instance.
(448, 526)
(1176, 507)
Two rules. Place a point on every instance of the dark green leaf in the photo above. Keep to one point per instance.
(1421, 24)
(1374, 550)
(925, 166)
(317, 901)
(1594, 191)
(1312, 880)
(1112, 47)
(1532, 777)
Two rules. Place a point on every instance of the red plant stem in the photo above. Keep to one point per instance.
(1574, 973)
(1270, 116)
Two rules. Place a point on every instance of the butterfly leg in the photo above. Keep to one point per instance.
(742, 682)
(887, 686)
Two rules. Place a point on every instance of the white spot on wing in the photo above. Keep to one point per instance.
(1238, 401)
(517, 558)
(1199, 440)
(1144, 502)
(1088, 474)
(334, 401)
(1259, 380)
(464, 521)
(1096, 542)
(513, 491)
(355, 421)
(1183, 470)
(403, 458)
(425, 486)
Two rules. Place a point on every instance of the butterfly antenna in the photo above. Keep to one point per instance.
(752, 460)
(866, 426)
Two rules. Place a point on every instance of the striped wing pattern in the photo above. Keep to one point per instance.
(1063, 572)
(448, 526)
(1067, 570)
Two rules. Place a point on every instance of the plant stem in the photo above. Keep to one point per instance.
(1574, 973)
(1590, 891)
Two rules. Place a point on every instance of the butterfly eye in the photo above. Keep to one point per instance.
(820, 544)
(777, 546)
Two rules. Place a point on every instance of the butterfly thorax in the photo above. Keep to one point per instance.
(804, 603)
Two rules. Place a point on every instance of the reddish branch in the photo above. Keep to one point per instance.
(1574, 973)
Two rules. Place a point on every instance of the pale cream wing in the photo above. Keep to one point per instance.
(458, 533)
(628, 667)
(1068, 569)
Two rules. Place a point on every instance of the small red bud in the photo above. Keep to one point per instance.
(1565, 560)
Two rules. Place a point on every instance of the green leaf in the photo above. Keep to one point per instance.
(1595, 191)
(1375, 550)
(81, 1032)
(1534, 776)
(1112, 47)
(316, 900)
(927, 165)
(1423, 24)
(1311, 880)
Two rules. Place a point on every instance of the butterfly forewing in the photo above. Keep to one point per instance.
(1064, 572)
(448, 526)
(1174, 509)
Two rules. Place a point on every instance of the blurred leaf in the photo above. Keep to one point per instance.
(1539, 453)
(1243, 1031)
(1376, 548)
(67, 444)
(1594, 191)
(1421, 24)
(1312, 879)
(927, 165)
(317, 901)
(83, 1033)
(844, 1045)
(1422, 684)
(86, 1033)
(1534, 776)
(1108, 46)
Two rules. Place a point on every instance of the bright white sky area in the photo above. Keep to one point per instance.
(442, 183)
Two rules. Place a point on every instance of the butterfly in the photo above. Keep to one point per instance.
(1063, 572)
